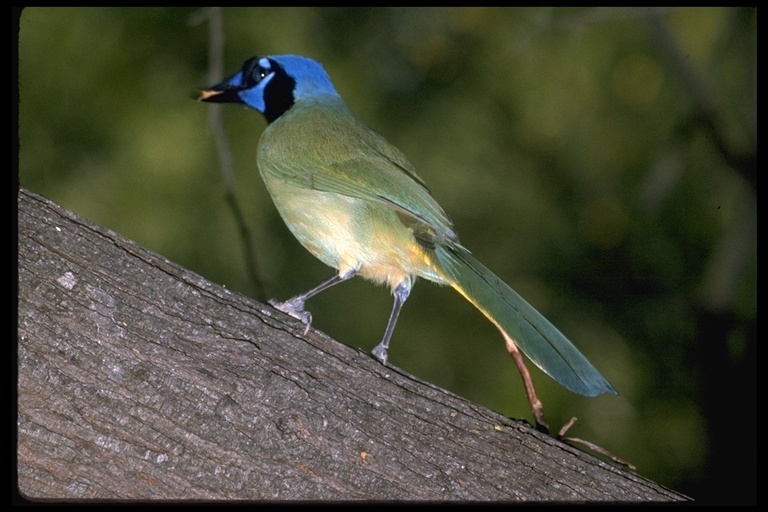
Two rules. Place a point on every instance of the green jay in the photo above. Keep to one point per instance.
(356, 203)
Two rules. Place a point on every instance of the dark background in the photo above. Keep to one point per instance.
(601, 161)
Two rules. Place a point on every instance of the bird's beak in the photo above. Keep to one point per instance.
(226, 91)
(222, 93)
(208, 95)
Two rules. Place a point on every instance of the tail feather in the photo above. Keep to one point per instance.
(536, 337)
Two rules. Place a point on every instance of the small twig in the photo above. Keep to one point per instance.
(530, 391)
(591, 446)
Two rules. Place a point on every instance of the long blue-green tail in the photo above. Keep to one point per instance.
(533, 334)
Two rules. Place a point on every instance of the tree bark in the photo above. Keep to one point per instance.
(138, 379)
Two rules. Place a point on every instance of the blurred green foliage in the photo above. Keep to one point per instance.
(601, 161)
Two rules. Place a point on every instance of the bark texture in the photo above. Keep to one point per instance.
(138, 379)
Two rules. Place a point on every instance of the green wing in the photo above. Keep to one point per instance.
(329, 150)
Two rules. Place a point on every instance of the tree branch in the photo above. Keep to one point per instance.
(138, 379)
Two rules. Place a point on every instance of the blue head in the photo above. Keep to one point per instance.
(273, 84)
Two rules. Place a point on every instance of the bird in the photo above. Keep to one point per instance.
(356, 203)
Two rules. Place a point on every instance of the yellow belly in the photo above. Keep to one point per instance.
(347, 233)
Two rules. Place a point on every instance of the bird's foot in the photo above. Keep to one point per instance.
(380, 353)
(295, 308)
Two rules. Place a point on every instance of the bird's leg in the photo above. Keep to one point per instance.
(295, 305)
(536, 406)
(401, 294)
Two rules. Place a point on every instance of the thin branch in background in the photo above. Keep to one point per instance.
(216, 120)
(705, 111)
(734, 252)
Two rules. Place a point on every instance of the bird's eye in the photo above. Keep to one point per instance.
(260, 73)
(254, 70)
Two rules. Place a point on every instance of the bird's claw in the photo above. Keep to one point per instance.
(380, 353)
(294, 308)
